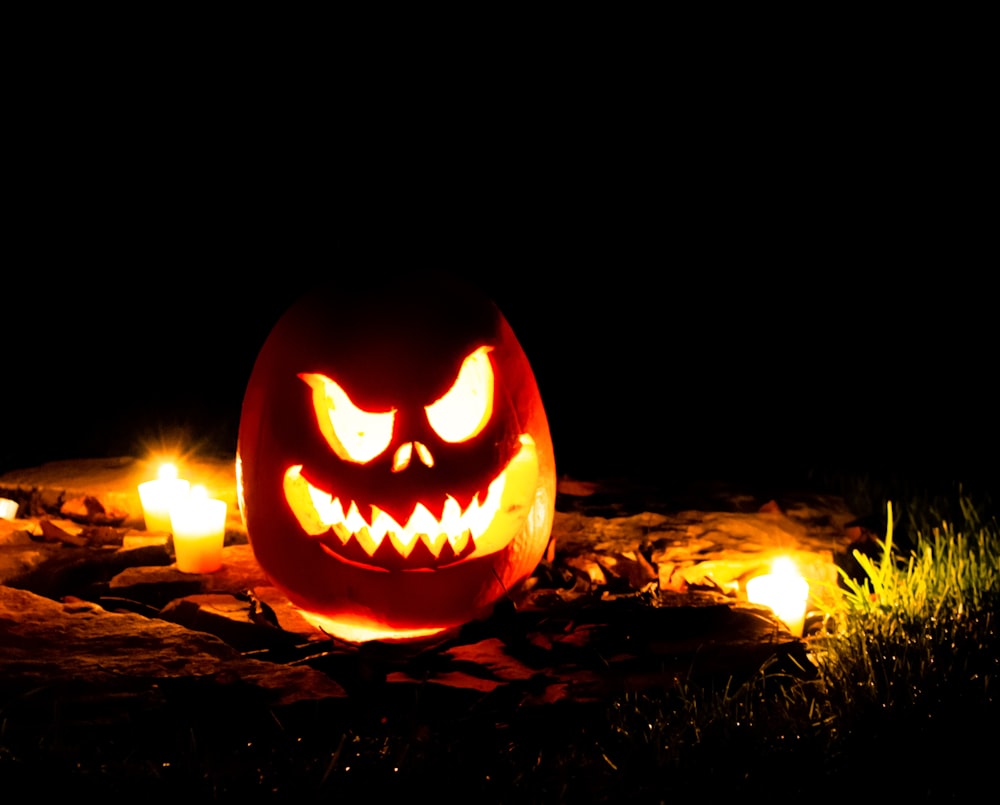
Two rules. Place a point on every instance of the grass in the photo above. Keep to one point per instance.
(901, 701)
(905, 697)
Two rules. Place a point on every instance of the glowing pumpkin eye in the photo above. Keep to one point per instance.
(353, 434)
(466, 407)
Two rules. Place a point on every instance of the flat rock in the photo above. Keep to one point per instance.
(239, 571)
(20, 553)
(52, 643)
(718, 549)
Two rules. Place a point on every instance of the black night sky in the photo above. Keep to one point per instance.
(771, 282)
(690, 366)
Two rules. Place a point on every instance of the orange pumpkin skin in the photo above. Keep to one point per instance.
(331, 509)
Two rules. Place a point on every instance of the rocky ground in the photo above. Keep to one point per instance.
(645, 587)
(75, 597)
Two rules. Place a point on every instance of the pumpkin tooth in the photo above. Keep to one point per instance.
(451, 516)
(382, 523)
(365, 540)
(472, 517)
(457, 524)
(354, 520)
(434, 544)
(403, 544)
(460, 542)
(327, 507)
(421, 522)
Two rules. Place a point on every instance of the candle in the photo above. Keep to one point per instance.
(8, 509)
(157, 497)
(199, 528)
(784, 591)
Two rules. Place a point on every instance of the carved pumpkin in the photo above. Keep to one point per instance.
(395, 468)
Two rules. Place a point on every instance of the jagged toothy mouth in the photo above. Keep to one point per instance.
(424, 542)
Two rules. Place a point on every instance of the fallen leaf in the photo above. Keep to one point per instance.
(53, 533)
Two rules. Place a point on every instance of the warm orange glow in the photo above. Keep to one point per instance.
(465, 408)
(423, 493)
(491, 524)
(353, 434)
(8, 509)
(357, 633)
(198, 524)
(783, 591)
(240, 497)
(158, 496)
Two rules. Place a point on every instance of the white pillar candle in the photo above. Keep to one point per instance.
(784, 591)
(8, 509)
(199, 528)
(158, 496)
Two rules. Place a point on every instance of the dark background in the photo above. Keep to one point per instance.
(677, 369)
(760, 268)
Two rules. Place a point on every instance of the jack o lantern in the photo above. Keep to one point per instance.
(395, 469)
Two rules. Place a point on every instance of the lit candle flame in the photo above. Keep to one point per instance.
(157, 496)
(784, 568)
(783, 591)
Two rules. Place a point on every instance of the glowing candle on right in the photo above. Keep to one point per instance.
(784, 591)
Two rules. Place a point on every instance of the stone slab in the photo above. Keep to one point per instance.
(77, 641)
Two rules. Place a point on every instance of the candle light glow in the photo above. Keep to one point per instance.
(158, 496)
(784, 591)
(8, 509)
(199, 528)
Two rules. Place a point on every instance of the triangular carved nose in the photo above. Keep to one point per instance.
(403, 454)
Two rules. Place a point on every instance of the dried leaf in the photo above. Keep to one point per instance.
(53, 533)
